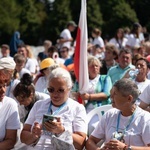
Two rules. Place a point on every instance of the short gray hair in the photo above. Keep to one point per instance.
(127, 87)
(61, 73)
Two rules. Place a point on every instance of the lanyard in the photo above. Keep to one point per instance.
(9, 88)
(129, 122)
(56, 112)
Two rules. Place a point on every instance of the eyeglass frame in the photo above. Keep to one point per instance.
(3, 85)
(59, 91)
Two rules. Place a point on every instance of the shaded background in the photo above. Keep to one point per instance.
(37, 20)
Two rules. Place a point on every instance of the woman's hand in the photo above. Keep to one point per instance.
(54, 126)
(75, 95)
(36, 130)
(114, 145)
(85, 96)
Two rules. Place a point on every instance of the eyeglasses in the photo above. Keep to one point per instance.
(52, 90)
(3, 85)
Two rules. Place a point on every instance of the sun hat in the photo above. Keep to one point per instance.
(5, 46)
(46, 63)
(72, 23)
(7, 63)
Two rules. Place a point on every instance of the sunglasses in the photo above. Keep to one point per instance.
(52, 90)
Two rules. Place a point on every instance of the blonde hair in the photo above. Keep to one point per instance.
(92, 59)
(29, 51)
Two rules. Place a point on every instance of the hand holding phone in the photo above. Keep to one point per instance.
(47, 117)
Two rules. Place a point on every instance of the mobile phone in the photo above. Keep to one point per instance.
(47, 117)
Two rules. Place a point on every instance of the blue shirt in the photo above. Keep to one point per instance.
(116, 72)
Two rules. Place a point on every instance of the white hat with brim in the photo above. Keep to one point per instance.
(7, 63)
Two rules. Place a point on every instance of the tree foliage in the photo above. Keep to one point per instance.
(9, 14)
(117, 14)
(94, 16)
(38, 20)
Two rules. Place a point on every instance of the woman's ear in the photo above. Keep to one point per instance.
(130, 98)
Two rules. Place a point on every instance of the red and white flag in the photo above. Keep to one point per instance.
(80, 60)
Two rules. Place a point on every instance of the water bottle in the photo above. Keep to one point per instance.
(133, 73)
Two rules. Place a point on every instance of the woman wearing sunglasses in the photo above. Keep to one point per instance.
(71, 115)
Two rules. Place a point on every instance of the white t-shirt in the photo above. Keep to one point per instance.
(23, 71)
(41, 85)
(145, 95)
(142, 85)
(9, 118)
(73, 117)
(119, 44)
(65, 34)
(133, 41)
(30, 65)
(23, 112)
(136, 135)
(98, 41)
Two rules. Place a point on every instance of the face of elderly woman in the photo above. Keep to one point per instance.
(58, 91)
(94, 69)
(119, 101)
(4, 80)
(142, 66)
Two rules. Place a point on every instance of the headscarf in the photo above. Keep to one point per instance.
(15, 41)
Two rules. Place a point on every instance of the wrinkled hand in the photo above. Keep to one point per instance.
(114, 145)
(54, 126)
(75, 95)
(36, 130)
(84, 96)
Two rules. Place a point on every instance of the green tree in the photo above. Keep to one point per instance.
(94, 15)
(9, 19)
(9, 13)
(32, 17)
(142, 10)
(116, 14)
(57, 19)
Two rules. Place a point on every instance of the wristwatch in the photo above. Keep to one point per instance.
(129, 148)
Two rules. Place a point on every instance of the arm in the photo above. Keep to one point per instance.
(141, 148)
(106, 85)
(79, 127)
(79, 140)
(95, 96)
(37, 77)
(10, 140)
(91, 143)
(144, 106)
(62, 40)
(27, 136)
(115, 144)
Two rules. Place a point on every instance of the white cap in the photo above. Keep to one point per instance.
(7, 63)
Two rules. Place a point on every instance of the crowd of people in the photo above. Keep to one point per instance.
(39, 96)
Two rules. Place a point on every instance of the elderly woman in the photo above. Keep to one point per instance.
(126, 127)
(9, 120)
(71, 115)
(141, 78)
(99, 86)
